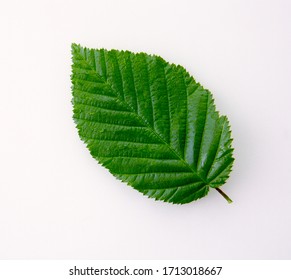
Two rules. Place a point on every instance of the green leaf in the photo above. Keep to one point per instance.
(150, 123)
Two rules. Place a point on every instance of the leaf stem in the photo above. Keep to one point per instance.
(224, 195)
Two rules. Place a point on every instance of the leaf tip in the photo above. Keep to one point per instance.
(75, 47)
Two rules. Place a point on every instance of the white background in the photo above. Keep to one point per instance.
(57, 202)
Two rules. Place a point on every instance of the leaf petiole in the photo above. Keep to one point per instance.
(224, 195)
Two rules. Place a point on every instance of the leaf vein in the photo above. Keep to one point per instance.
(111, 124)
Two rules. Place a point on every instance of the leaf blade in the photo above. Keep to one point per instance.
(150, 123)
